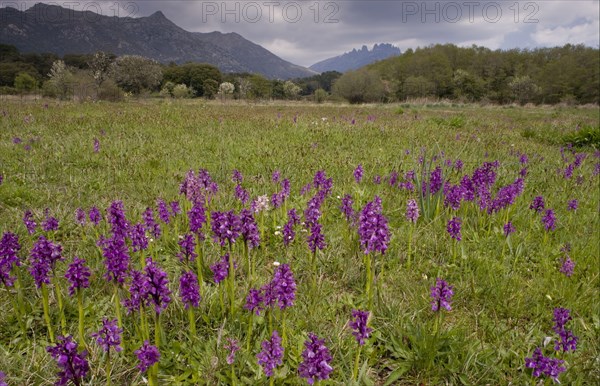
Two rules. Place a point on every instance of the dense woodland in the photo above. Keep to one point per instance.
(568, 74)
(544, 75)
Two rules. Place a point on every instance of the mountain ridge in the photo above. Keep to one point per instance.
(155, 36)
(355, 59)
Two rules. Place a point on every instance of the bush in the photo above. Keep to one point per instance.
(83, 87)
(135, 74)
(523, 89)
(182, 91)
(49, 89)
(291, 89)
(210, 88)
(109, 91)
(7, 90)
(417, 87)
(167, 89)
(25, 82)
(568, 100)
(457, 121)
(194, 75)
(61, 80)
(528, 133)
(320, 95)
(586, 136)
(225, 89)
(359, 86)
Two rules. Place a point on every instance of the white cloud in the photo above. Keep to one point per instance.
(585, 33)
(289, 51)
(555, 13)
(376, 21)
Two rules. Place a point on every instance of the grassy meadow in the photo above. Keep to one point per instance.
(505, 288)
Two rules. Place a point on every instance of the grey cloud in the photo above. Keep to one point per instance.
(326, 28)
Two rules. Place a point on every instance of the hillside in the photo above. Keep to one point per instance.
(154, 36)
(356, 58)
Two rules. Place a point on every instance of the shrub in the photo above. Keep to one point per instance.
(291, 89)
(210, 88)
(417, 87)
(61, 80)
(167, 89)
(25, 82)
(359, 86)
(6, 90)
(523, 89)
(320, 95)
(226, 88)
(109, 91)
(182, 91)
(49, 90)
(135, 73)
(586, 136)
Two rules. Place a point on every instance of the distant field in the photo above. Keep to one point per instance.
(505, 288)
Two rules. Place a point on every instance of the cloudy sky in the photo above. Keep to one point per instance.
(307, 31)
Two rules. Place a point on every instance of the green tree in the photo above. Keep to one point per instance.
(42, 63)
(100, 64)
(25, 82)
(291, 90)
(359, 86)
(109, 91)
(327, 79)
(9, 53)
(244, 87)
(260, 87)
(436, 67)
(277, 91)
(10, 70)
(182, 91)
(226, 89)
(210, 88)
(195, 75)
(79, 61)
(467, 85)
(61, 79)
(417, 87)
(135, 73)
(523, 88)
(320, 95)
(324, 80)
(474, 73)
(167, 89)
(174, 74)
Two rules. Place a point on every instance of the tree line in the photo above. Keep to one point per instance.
(568, 74)
(106, 76)
(543, 75)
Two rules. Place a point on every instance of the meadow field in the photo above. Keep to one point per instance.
(489, 277)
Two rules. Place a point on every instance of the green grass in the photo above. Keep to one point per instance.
(505, 293)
